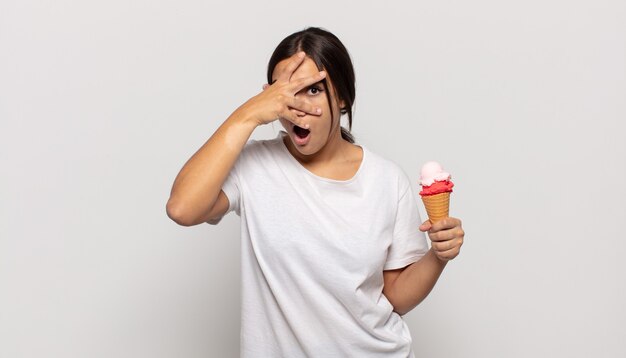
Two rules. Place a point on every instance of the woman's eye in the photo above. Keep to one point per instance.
(314, 90)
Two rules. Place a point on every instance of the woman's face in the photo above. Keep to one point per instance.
(319, 126)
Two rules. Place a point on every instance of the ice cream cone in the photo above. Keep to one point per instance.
(437, 206)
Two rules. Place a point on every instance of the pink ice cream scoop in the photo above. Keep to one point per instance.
(432, 172)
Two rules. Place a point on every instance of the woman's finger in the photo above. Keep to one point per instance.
(301, 83)
(447, 245)
(303, 106)
(292, 65)
(295, 119)
(297, 112)
(448, 254)
(445, 235)
(445, 223)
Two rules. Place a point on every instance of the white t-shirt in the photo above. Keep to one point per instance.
(313, 254)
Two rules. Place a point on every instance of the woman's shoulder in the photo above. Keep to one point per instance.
(261, 146)
(258, 151)
(392, 170)
(382, 163)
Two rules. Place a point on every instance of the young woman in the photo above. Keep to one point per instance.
(333, 253)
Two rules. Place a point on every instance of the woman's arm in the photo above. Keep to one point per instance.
(197, 187)
(407, 287)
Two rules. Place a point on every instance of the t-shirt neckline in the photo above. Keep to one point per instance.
(313, 175)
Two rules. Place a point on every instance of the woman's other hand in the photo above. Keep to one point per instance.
(446, 237)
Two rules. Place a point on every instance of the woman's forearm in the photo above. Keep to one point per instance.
(199, 182)
(415, 283)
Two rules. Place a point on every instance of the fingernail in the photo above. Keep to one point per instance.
(301, 54)
(322, 74)
(306, 126)
(319, 110)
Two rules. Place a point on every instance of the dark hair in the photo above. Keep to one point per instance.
(330, 55)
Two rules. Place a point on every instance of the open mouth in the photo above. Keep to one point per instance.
(301, 136)
(301, 132)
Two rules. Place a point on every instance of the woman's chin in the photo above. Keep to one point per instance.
(305, 149)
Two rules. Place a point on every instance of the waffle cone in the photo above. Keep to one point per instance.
(437, 206)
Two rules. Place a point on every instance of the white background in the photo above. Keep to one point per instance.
(101, 104)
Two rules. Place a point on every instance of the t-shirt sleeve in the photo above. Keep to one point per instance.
(408, 244)
(231, 188)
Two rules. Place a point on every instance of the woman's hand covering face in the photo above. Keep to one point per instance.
(276, 100)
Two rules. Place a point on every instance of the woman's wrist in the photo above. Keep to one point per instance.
(439, 261)
(243, 118)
